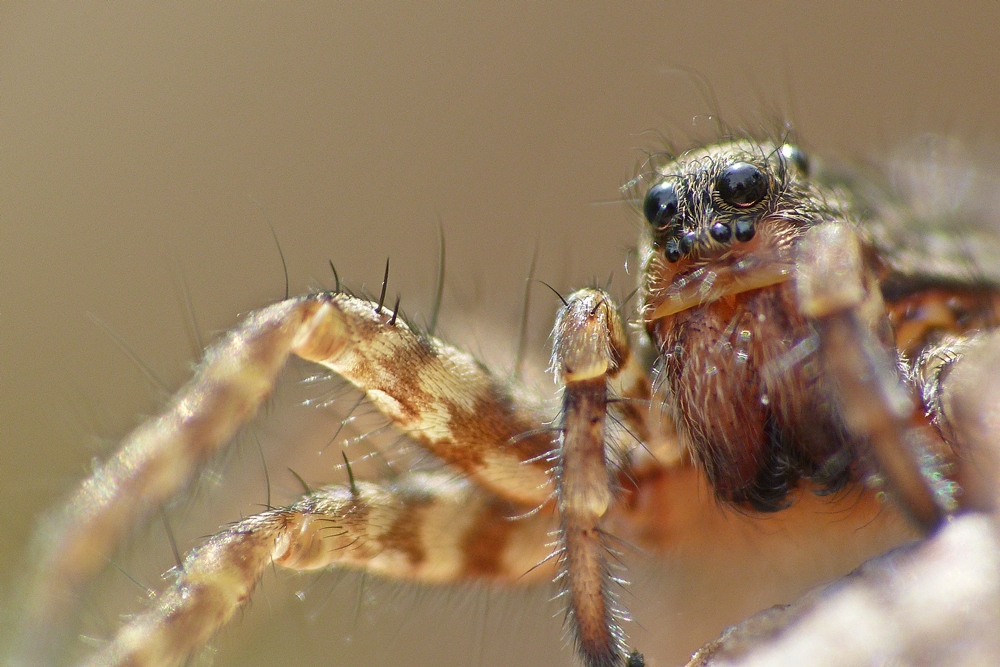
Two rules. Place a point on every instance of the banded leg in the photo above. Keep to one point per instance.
(590, 358)
(426, 527)
(442, 397)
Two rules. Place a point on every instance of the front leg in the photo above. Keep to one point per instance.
(441, 397)
(931, 602)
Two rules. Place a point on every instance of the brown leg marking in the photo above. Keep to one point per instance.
(426, 527)
(442, 397)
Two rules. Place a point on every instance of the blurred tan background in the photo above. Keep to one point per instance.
(145, 147)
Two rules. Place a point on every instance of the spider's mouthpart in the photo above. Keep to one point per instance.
(711, 283)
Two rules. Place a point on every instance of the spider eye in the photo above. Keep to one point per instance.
(660, 205)
(744, 229)
(720, 231)
(741, 185)
(686, 242)
(672, 252)
(794, 156)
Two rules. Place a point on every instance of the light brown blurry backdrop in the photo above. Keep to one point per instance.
(144, 146)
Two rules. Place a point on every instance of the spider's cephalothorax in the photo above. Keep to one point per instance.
(718, 299)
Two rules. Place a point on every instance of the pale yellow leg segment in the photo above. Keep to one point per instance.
(440, 396)
(589, 353)
(426, 527)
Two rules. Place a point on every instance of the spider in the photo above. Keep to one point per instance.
(797, 359)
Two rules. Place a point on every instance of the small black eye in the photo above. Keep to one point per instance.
(741, 185)
(673, 252)
(720, 231)
(687, 242)
(660, 205)
(745, 229)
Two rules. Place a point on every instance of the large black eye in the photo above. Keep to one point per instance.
(741, 185)
(660, 205)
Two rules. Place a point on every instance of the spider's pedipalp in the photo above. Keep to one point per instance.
(590, 353)
(843, 299)
(425, 527)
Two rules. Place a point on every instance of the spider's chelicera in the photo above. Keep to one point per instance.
(797, 351)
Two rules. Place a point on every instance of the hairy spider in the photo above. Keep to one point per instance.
(799, 357)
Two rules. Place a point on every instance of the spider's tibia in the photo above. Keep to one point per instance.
(589, 352)
(425, 527)
(442, 397)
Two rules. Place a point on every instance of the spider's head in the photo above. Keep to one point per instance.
(719, 256)
(722, 221)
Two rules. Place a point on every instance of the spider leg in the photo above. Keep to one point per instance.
(441, 397)
(840, 293)
(959, 384)
(428, 527)
(932, 602)
(152, 464)
(590, 357)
